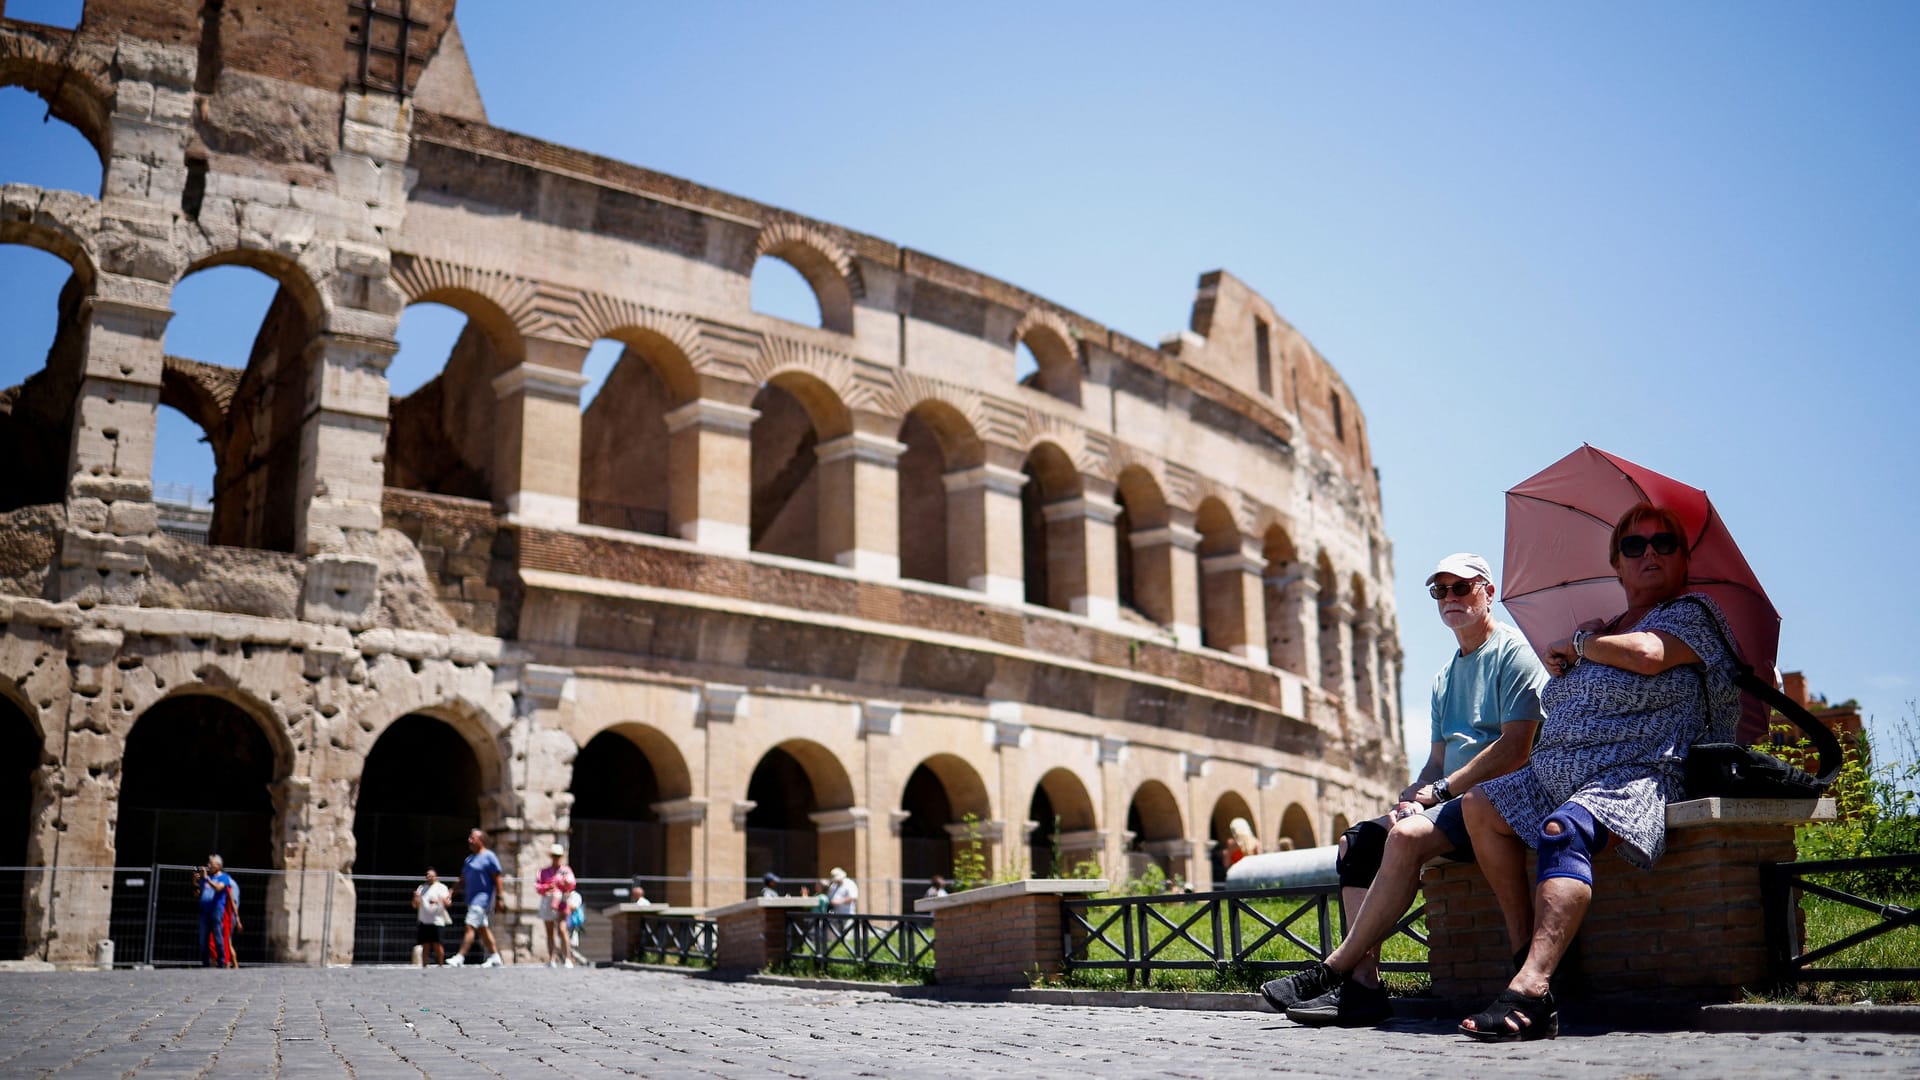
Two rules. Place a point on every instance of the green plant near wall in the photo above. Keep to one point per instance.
(970, 854)
(1877, 799)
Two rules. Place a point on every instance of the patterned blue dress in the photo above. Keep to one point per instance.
(1614, 741)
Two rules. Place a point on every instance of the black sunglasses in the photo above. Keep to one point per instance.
(1663, 543)
(1458, 588)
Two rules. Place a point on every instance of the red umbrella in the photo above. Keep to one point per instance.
(1557, 574)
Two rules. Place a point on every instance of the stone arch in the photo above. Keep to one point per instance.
(1156, 833)
(1296, 828)
(621, 778)
(1064, 820)
(794, 505)
(826, 264)
(468, 720)
(1217, 572)
(22, 778)
(810, 783)
(1142, 553)
(312, 302)
(939, 442)
(1230, 805)
(64, 240)
(1052, 545)
(77, 88)
(200, 392)
(628, 474)
(1283, 593)
(36, 428)
(939, 794)
(1340, 825)
(1051, 341)
(197, 775)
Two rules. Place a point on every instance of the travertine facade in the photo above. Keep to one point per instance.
(831, 588)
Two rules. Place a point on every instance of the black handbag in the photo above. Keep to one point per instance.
(1732, 771)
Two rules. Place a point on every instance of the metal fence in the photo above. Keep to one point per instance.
(676, 939)
(1256, 929)
(1863, 923)
(827, 941)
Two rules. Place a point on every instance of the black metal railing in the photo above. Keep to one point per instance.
(676, 939)
(1256, 929)
(1783, 887)
(828, 941)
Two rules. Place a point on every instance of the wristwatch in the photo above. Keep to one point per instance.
(1441, 792)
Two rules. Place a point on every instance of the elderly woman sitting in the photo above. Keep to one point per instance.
(1627, 699)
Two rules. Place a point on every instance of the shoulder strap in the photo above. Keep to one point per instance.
(1822, 736)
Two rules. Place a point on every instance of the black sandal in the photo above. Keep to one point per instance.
(1532, 1017)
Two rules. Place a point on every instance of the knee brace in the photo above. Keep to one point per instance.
(1569, 853)
(1366, 843)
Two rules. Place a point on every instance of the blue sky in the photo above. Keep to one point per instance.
(1686, 234)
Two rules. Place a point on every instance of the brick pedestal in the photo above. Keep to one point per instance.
(1691, 929)
(999, 935)
(752, 934)
(624, 922)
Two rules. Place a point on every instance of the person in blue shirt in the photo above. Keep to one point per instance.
(480, 885)
(1486, 712)
(219, 912)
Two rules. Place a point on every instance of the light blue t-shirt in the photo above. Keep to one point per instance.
(476, 877)
(1498, 683)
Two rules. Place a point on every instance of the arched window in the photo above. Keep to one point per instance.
(42, 150)
(242, 325)
(1053, 543)
(780, 290)
(41, 358)
(440, 439)
(627, 474)
(1048, 362)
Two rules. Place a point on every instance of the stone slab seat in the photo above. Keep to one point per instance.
(1690, 930)
(752, 934)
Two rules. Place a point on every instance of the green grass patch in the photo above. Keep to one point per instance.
(851, 972)
(1829, 921)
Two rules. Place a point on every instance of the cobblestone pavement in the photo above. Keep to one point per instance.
(584, 1025)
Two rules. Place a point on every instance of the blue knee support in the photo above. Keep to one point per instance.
(1569, 853)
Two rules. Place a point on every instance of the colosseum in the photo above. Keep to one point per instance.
(780, 597)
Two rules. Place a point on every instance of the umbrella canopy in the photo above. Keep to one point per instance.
(1557, 575)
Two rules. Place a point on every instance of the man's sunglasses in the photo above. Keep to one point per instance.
(1663, 543)
(1458, 588)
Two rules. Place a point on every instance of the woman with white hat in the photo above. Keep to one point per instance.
(553, 885)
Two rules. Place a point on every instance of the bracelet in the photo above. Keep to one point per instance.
(1580, 643)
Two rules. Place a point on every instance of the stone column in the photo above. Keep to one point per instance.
(1336, 647)
(686, 825)
(1166, 579)
(1080, 563)
(983, 530)
(1235, 589)
(343, 443)
(710, 464)
(842, 835)
(87, 790)
(1366, 664)
(536, 463)
(1293, 630)
(860, 503)
(103, 555)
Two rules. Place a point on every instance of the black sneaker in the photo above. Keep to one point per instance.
(1285, 993)
(1347, 1005)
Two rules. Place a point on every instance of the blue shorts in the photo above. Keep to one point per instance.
(1451, 820)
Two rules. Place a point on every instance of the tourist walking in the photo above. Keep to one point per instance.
(430, 902)
(480, 886)
(553, 886)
